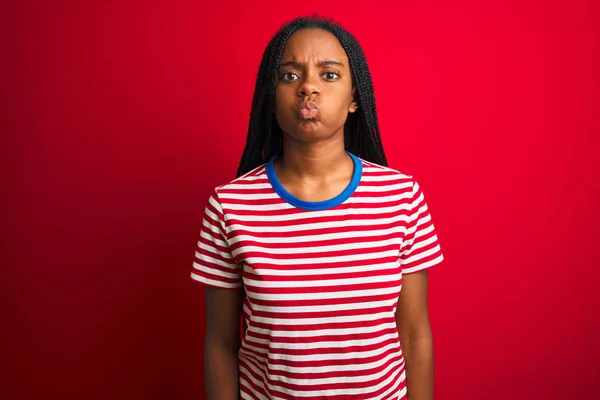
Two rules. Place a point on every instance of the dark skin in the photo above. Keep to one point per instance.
(314, 68)
(222, 342)
(412, 319)
(314, 74)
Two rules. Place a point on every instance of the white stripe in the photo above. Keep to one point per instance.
(419, 200)
(378, 189)
(247, 186)
(422, 255)
(323, 271)
(255, 178)
(320, 283)
(327, 308)
(319, 249)
(246, 396)
(379, 199)
(212, 282)
(416, 227)
(321, 225)
(323, 320)
(423, 243)
(381, 178)
(319, 214)
(258, 207)
(213, 249)
(212, 240)
(322, 260)
(323, 357)
(213, 228)
(207, 258)
(317, 345)
(314, 238)
(244, 372)
(394, 387)
(424, 265)
(213, 201)
(322, 295)
(423, 231)
(249, 196)
(214, 271)
(325, 332)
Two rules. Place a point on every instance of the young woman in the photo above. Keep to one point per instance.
(315, 239)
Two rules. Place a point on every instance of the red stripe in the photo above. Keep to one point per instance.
(399, 193)
(329, 325)
(322, 302)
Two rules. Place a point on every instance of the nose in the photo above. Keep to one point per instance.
(308, 87)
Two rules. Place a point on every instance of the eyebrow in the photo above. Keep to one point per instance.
(321, 64)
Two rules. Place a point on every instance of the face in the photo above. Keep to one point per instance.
(314, 92)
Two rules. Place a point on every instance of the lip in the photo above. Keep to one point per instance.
(308, 109)
(308, 113)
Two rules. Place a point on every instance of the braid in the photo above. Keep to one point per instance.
(265, 137)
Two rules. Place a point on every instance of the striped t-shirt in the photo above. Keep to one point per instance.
(322, 280)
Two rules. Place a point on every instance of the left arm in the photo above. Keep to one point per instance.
(412, 319)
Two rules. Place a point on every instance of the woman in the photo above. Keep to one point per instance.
(315, 239)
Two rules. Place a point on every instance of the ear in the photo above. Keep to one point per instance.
(354, 104)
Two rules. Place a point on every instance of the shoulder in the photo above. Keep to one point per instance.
(252, 180)
(379, 173)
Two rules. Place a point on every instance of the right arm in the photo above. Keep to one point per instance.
(222, 342)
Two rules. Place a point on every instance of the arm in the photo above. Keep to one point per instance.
(414, 330)
(222, 342)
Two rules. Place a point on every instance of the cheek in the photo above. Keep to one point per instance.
(282, 100)
(339, 97)
(337, 105)
(283, 115)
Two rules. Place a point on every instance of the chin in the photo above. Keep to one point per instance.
(311, 132)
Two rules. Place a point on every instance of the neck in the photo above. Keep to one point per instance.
(313, 161)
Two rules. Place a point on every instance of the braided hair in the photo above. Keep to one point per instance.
(361, 130)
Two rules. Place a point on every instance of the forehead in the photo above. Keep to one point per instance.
(313, 44)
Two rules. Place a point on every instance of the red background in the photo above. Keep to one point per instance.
(118, 118)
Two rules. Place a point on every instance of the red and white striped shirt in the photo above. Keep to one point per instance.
(322, 280)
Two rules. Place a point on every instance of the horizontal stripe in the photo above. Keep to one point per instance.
(329, 330)
(269, 237)
(321, 286)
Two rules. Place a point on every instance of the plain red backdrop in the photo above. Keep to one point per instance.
(119, 117)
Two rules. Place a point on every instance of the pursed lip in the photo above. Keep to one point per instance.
(306, 113)
(308, 109)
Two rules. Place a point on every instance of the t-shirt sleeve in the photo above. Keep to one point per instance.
(420, 249)
(214, 265)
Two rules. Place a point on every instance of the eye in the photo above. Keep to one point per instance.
(331, 75)
(289, 76)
